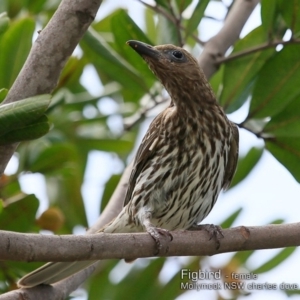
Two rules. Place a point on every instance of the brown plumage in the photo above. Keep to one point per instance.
(187, 156)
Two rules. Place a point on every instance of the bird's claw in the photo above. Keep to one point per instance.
(155, 234)
(214, 231)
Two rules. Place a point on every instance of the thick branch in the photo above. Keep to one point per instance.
(217, 46)
(49, 54)
(18, 246)
(60, 290)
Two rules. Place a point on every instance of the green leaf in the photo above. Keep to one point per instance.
(162, 3)
(240, 73)
(3, 93)
(110, 65)
(246, 165)
(182, 5)
(18, 213)
(286, 123)
(16, 115)
(124, 29)
(4, 22)
(275, 261)
(28, 132)
(196, 17)
(54, 158)
(290, 11)
(268, 13)
(167, 32)
(143, 290)
(35, 6)
(287, 151)
(109, 189)
(100, 286)
(150, 24)
(120, 146)
(277, 84)
(242, 256)
(15, 44)
(230, 220)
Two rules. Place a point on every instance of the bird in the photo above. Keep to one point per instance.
(187, 156)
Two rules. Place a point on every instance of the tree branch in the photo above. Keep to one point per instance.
(18, 246)
(48, 56)
(257, 48)
(60, 290)
(217, 46)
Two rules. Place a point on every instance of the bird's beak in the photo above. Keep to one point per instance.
(144, 49)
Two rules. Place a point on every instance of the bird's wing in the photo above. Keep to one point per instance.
(232, 157)
(146, 150)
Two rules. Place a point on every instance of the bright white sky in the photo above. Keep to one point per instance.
(268, 193)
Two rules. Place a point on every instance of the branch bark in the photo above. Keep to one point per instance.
(58, 291)
(217, 46)
(18, 246)
(48, 56)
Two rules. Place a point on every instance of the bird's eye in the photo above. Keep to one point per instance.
(177, 54)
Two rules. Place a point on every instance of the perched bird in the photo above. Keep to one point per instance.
(188, 155)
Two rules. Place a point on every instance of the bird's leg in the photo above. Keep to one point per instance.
(155, 232)
(214, 231)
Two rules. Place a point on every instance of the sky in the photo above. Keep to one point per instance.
(268, 193)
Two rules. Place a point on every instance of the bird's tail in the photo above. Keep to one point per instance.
(55, 271)
(52, 272)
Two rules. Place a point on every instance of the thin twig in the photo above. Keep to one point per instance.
(177, 24)
(141, 114)
(261, 47)
(163, 12)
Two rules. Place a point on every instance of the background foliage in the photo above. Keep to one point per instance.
(261, 67)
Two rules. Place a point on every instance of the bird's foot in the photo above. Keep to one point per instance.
(155, 233)
(214, 231)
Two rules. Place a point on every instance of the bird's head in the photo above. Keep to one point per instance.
(177, 69)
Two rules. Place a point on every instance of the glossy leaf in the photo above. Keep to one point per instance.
(286, 123)
(31, 131)
(18, 114)
(15, 44)
(290, 11)
(240, 73)
(54, 158)
(287, 151)
(246, 165)
(196, 16)
(277, 84)
(110, 64)
(124, 29)
(268, 13)
(18, 213)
